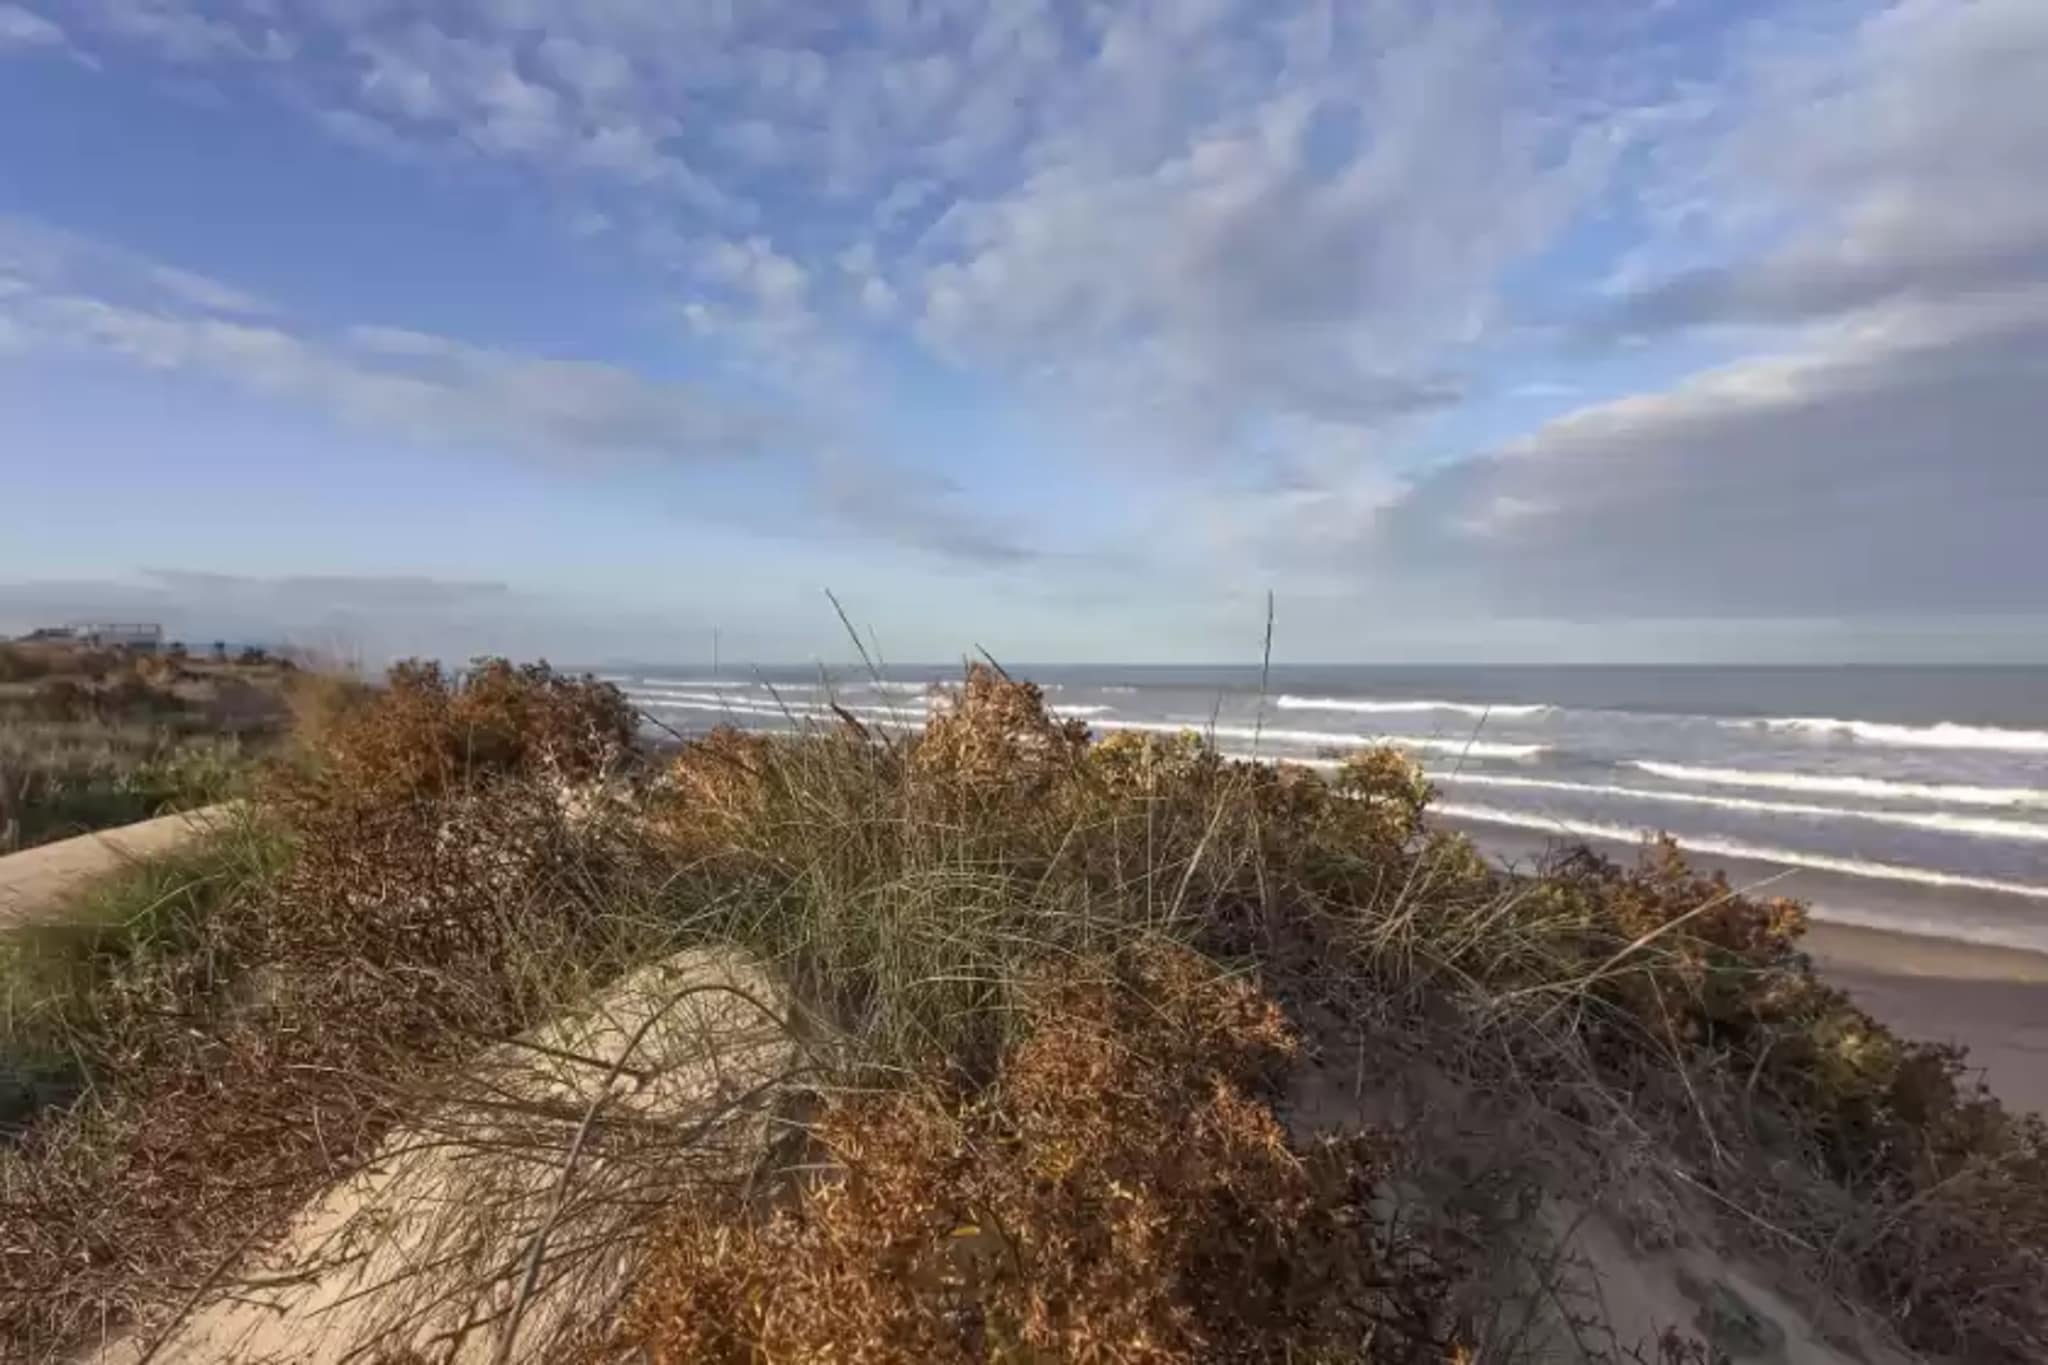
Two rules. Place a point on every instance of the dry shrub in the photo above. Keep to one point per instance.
(900, 883)
(1647, 992)
(119, 1208)
(426, 734)
(715, 790)
(432, 814)
(994, 737)
(1924, 1197)
(1083, 1168)
(1121, 1193)
(320, 699)
(21, 663)
(439, 890)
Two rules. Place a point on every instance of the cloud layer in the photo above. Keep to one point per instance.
(1880, 450)
(1523, 311)
(60, 292)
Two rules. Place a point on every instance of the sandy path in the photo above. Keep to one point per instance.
(37, 879)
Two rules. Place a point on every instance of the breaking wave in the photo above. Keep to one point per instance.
(1464, 708)
(1877, 788)
(1735, 848)
(1944, 735)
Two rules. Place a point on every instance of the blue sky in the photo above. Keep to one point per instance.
(1473, 331)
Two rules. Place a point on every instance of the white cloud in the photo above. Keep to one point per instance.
(181, 32)
(1884, 167)
(396, 82)
(1889, 464)
(597, 73)
(754, 140)
(206, 293)
(39, 257)
(63, 293)
(754, 267)
(1881, 262)
(1264, 243)
(1876, 451)
(1306, 247)
(920, 508)
(1245, 213)
(877, 297)
(60, 294)
(25, 28)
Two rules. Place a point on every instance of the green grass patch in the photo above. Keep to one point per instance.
(78, 983)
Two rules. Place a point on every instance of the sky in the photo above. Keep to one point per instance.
(1471, 330)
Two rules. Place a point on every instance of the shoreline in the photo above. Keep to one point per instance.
(1993, 1001)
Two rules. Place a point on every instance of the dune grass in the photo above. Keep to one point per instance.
(1001, 940)
(62, 778)
(91, 740)
(66, 979)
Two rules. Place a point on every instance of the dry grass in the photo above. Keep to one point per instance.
(272, 1032)
(94, 740)
(63, 778)
(1015, 954)
(909, 885)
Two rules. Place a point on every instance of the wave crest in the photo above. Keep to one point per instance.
(1876, 788)
(1941, 822)
(1941, 735)
(1371, 707)
(1330, 739)
(1735, 848)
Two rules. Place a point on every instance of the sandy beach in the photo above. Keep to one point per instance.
(1994, 1001)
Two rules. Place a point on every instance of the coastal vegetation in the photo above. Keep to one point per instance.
(1096, 1050)
(93, 738)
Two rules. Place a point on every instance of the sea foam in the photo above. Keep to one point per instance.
(1825, 784)
(1734, 848)
(1375, 707)
(1943, 735)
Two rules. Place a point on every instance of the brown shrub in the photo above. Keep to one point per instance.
(995, 738)
(949, 859)
(1087, 1169)
(1121, 1193)
(434, 822)
(319, 699)
(1930, 1199)
(715, 789)
(21, 663)
(424, 734)
(439, 888)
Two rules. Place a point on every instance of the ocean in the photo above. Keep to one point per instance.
(1905, 798)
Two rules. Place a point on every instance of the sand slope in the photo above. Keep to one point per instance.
(666, 1081)
(37, 879)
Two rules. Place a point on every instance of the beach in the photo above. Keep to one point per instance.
(1994, 1001)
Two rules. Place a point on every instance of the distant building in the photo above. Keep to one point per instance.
(140, 637)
